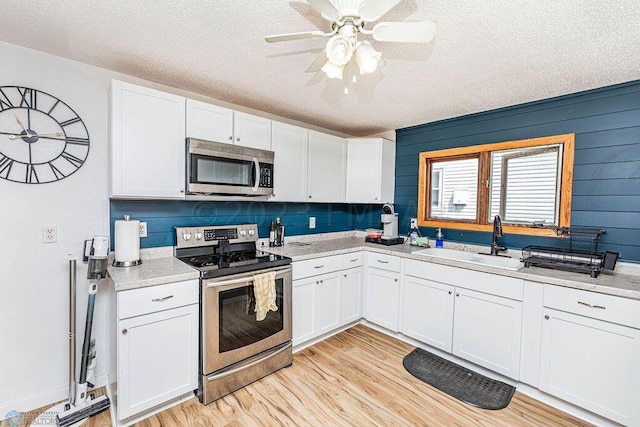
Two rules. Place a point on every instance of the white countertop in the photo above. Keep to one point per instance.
(153, 271)
(611, 283)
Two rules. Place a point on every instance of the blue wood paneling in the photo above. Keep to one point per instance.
(606, 188)
(162, 216)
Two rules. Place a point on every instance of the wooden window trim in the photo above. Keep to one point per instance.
(483, 152)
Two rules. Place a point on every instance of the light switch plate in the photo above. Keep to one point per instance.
(414, 223)
(312, 222)
(143, 229)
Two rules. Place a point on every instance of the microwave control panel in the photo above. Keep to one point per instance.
(266, 175)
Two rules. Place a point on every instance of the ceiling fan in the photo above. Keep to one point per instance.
(349, 19)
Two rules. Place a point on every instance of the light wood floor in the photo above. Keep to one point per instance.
(355, 378)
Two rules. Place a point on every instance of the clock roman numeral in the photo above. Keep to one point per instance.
(70, 121)
(75, 161)
(53, 106)
(57, 172)
(77, 141)
(28, 97)
(5, 102)
(31, 175)
(5, 167)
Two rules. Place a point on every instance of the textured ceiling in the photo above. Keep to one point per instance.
(486, 54)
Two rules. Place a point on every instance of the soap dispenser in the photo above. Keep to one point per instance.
(439, 239)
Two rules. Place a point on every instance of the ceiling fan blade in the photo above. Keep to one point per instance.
(294, 36)
(409, 32)
(317, 64)
(326, 9)
(372, 10)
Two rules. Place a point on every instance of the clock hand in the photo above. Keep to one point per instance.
(22, 126)
(36, 135)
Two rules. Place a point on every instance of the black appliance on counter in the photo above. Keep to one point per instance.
(235, 348)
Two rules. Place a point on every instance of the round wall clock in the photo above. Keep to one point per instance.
(41, 138)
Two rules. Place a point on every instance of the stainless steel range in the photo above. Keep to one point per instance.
(235, 348)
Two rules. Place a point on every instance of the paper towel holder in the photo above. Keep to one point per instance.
(116, 263)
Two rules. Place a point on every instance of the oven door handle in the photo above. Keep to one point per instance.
(230, 282)
(256, 175)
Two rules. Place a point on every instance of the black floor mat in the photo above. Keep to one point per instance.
(457, 381)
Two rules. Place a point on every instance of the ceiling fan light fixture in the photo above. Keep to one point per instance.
(332, 70)
(339, 50)
(367, 58)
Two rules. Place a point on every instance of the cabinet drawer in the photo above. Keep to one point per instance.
(611, 308)
(355, 259)
(141, 301)
(313, 267)
(385, 262)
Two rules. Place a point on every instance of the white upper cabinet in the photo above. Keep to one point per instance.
(370, 170)
(219, 124)
(147, 143)
(209, 122)
(290, 145)
(251, 131)
(327, 168)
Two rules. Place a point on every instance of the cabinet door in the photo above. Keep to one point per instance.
(148, 143)
(351, 296)
(364, 170)
(487, 331)
(290, 145)
(210, 122)
(592, 363)
(328, 303)
(327, 163)
(303, 310)
(427, 312)
(251, 131)
(157, 358)
(383, 291)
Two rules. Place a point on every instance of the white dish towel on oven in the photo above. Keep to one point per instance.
(264, 290)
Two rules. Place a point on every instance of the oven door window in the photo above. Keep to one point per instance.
(222, 171)
(237, 318)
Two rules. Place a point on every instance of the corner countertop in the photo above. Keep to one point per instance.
(152, 271)
(612, 283)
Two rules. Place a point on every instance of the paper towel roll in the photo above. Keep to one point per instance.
(127, 241)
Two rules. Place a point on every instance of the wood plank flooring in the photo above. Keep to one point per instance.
(355, 378)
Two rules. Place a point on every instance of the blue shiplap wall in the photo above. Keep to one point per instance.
(606, 185)
(162, 216)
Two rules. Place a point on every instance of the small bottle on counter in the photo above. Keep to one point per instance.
(279, 237)
(272, 235)
(439, 239)
(413, 238)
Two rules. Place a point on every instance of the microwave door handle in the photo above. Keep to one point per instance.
(256, 175)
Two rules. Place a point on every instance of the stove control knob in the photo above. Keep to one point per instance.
(197, 235)
(243, 232)
(252, 232)
(186, 236)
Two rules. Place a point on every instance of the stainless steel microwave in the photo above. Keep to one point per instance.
(215, 168)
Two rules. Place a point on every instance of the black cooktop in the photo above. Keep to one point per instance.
(216, 264)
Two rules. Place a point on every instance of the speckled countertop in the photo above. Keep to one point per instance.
(152, 271)
(613, 283)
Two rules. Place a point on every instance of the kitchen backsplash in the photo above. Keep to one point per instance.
(162, 216)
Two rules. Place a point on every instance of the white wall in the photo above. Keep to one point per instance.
(34, 275)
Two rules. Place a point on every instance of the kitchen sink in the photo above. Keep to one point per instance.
(472, 258)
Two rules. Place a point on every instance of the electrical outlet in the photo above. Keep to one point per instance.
(143, 229)
(49, 233)
(312, 222)
(414, 223)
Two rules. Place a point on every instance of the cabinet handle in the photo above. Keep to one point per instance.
(383, 262)
(168, 297)
(450, 293)
(309, 196)
(592, 306)
(319, 266)
(345, 275)
(231, 138)
(457, 294)
(238, 138)
(353, 260)
(395, 280)
(546, 317)
(124, 331)
(182, 190)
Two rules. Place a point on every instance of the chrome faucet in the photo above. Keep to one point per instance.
(497, 232)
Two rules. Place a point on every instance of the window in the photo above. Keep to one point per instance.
(526, 182)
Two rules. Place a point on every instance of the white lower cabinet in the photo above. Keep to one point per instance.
(587, 359)
(383, 290)
(427, 312)
(487, 331)
(157, 346)
(351, 296)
